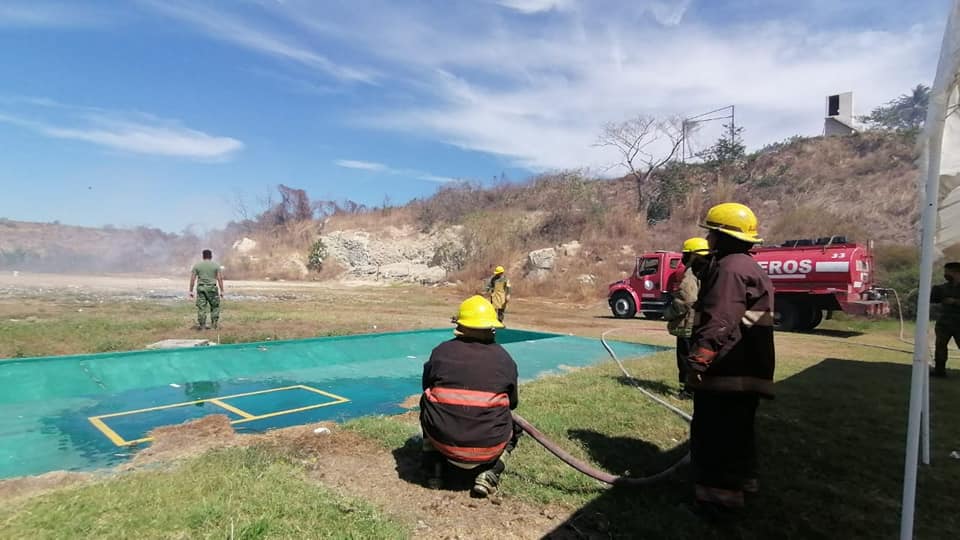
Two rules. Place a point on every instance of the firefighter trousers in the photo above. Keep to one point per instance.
(723, 446)
(683, 352)
(945, 333)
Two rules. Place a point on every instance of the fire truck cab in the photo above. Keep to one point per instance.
(646, 290)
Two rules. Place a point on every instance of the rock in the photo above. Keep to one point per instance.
(245, 245)
(587, 279)
(538, 274)
(351, 248)
(397, 254)
(571, 249)
(542, 259)
(413, 272)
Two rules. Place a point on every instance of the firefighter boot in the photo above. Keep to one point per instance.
(435, 479)
(431, 466)
(486, 484)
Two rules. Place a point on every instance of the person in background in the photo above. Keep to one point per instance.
(208, 279)
(498, 289)
(948, 323)
(680, 311)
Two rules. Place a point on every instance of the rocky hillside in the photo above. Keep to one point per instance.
(558, 234)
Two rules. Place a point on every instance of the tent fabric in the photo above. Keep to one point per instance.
(943, 128)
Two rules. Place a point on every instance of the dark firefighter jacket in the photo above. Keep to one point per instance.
(469, 389)
(732, 345)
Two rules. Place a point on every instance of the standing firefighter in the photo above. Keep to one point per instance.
(948, 323)
(731, 360)
(469, 389)
(499, 291)
(207, 277)
(680, 312)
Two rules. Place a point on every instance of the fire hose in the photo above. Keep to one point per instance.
(593, 472)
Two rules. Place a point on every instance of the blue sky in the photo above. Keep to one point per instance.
(164, 112)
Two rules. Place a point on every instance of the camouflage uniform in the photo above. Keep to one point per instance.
(208, 296)
(948, 323)
(680, 315)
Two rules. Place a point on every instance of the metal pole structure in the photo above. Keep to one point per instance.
(925, 418)
(933, 131)
(703, 118)
(683, 141)
(921, 344)
(733, 124)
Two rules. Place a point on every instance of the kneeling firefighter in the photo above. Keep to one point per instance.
(469, 389)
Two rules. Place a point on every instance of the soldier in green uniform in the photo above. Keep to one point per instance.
(948, 323)
(209, 281)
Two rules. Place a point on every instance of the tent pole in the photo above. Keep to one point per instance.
(921, 344)
(925, 417)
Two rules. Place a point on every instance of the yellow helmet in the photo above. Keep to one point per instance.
(498, 270)
(696, 245)
(478, 313)
(733, 219)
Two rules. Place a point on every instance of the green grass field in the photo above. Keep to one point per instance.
(831, 443)
(831, 449)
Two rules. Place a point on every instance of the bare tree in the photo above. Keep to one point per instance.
(645, 143)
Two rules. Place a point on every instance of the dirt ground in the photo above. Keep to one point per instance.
(580, 318)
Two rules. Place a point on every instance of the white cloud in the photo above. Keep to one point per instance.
(386, 169)
(42, 14)
(535, 6)
(219, 25)
(665, 12)
(493, 79)
(438, 179)
(137, 133)
(154, 140)
(557, 93)
(362, 165)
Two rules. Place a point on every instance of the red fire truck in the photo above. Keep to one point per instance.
(810, 277)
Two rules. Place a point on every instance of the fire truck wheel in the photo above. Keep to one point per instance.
(787, 316)
(815, 319)
(623, 306)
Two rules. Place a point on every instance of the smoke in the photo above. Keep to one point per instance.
(55, 248)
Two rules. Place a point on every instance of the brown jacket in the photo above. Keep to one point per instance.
(732, 346)
(680, 313)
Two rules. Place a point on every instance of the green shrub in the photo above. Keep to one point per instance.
(898, 268)
(318, 252)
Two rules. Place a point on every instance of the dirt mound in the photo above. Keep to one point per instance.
(411, 402)
(191, 438)
(28, 486)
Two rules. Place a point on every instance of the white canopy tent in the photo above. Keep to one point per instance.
(940, 228)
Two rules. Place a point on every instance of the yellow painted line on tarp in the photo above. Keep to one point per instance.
(98, 422)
